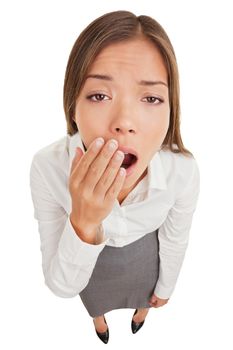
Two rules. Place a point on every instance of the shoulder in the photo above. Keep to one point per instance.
(178, 161)
(180, 169)
(52, 157)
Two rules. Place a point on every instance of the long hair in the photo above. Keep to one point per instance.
(114, 27)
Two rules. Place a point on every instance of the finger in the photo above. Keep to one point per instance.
(154, 304)
(116, 187)
(109, 175)
(153, 299)
(80, 170)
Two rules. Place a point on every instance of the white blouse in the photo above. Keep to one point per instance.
(164, 199)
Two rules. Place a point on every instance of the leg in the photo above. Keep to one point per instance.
(141, 314)
(100, 324)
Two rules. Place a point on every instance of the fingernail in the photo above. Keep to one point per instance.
(112, 145)
(99, 142)
(122, 171)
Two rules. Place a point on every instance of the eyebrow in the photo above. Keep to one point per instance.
(141, 82)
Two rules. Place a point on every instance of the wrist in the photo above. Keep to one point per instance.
(87, 233)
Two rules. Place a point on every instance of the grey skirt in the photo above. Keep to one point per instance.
(123, 277)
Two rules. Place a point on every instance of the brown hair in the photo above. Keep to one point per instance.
(114, 27)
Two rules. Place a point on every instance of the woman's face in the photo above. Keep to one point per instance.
(132, 106)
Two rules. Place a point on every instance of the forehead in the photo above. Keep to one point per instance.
(137, 55)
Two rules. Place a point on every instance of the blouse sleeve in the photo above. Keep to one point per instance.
(67, 261)
(174, 235)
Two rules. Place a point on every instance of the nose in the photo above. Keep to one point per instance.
(122, 130)
(123, 121)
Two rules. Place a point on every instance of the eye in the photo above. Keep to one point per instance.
(99, 97)
(151, 100)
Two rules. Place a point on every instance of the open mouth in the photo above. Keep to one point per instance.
(129, 160)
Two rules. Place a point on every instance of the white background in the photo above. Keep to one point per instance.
(36, 39)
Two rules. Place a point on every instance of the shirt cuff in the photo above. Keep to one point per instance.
(74, 250)
(163, 292)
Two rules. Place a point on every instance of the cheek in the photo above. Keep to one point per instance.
(160, 128)
(164, 128)
(84, 117)
(163, 124)
(157, 135)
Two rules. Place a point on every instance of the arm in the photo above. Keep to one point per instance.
(174, 234)
(67, 260)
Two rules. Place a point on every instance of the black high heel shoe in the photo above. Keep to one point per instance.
(135, 326)
(104, 336)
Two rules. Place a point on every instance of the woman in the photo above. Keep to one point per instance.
(115, 229)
